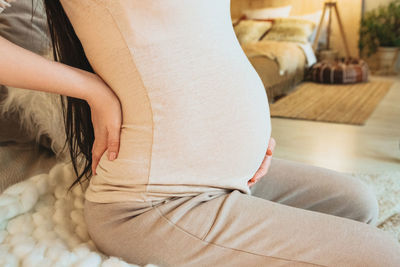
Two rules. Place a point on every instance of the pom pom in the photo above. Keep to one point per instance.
(29, 197)
(17, 188)
(18, 238)
(77, 191)
(82, 233)
(116, 262)
(81, 251)
(7, 199)
(79, 203)
(60, 192)
(77, 217)
(43, 234)
(23, 248)
(66, 259)
(35, 257)
(21, 224)
(11, 210)
(91, 260)
(41, 183)
(9, 261)
(3, 235)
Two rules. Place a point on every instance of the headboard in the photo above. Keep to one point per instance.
(299, 7)
(350, 12)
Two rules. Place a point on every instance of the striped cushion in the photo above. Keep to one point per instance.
(340, 71)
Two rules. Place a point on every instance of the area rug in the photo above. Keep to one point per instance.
(41, 225)
(349, 104)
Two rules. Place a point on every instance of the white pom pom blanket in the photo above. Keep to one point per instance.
(42, 225)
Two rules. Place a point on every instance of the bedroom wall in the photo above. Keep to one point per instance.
(350, 12)
(371, 4)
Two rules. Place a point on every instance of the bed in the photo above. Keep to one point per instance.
(277, 44)
(267, 69)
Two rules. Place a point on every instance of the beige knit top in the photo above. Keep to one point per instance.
(195, 111)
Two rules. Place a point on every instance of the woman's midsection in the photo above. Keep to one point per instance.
(195, 111)
(193, 120)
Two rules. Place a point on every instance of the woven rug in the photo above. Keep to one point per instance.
(349, 104)
(40, 225)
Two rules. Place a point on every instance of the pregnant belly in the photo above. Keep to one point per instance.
(214, 136)
(210, 130)
(207, 120)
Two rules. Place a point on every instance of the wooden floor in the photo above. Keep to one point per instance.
(372, 148)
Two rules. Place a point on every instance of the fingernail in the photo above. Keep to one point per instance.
(269, 152)
(112, 156)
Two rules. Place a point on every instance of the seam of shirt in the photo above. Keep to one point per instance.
(147, 94)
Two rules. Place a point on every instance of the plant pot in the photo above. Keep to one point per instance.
(387, 57)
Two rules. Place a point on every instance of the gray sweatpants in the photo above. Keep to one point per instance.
(297, 215)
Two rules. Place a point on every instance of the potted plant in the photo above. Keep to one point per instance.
(380, 33)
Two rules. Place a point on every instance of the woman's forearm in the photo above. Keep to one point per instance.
(24, 69)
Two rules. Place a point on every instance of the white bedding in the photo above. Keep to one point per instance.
(311, 59)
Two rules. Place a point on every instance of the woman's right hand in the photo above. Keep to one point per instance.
(262, 171)
(106, 117)
(4, 4)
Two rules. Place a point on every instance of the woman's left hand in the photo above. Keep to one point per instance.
(265, 164)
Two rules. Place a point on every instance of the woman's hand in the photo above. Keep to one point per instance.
(265, 164)
(106, 118)
(4, 4)
(22, 68)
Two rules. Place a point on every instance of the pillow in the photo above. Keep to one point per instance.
(235, 21)
(290, 30)
(268, 13)
(251, 30)
(316, 18)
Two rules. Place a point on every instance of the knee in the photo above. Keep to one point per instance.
(361, 202)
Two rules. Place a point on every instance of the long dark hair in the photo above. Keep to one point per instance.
(68, 49)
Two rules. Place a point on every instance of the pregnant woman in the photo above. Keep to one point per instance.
(175, 187)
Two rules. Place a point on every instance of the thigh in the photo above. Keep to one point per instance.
(317, 189)
(239, 230)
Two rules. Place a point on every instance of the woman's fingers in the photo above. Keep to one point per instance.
(99, 146)
(262, 170)
(272, 144)
(4, 4)
(265, 164)
(113, 142)
(105, 141)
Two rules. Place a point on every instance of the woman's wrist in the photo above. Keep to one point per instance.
(96, 90)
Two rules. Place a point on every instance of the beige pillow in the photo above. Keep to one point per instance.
(290, 30)
(268, 13)
(248, 31)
